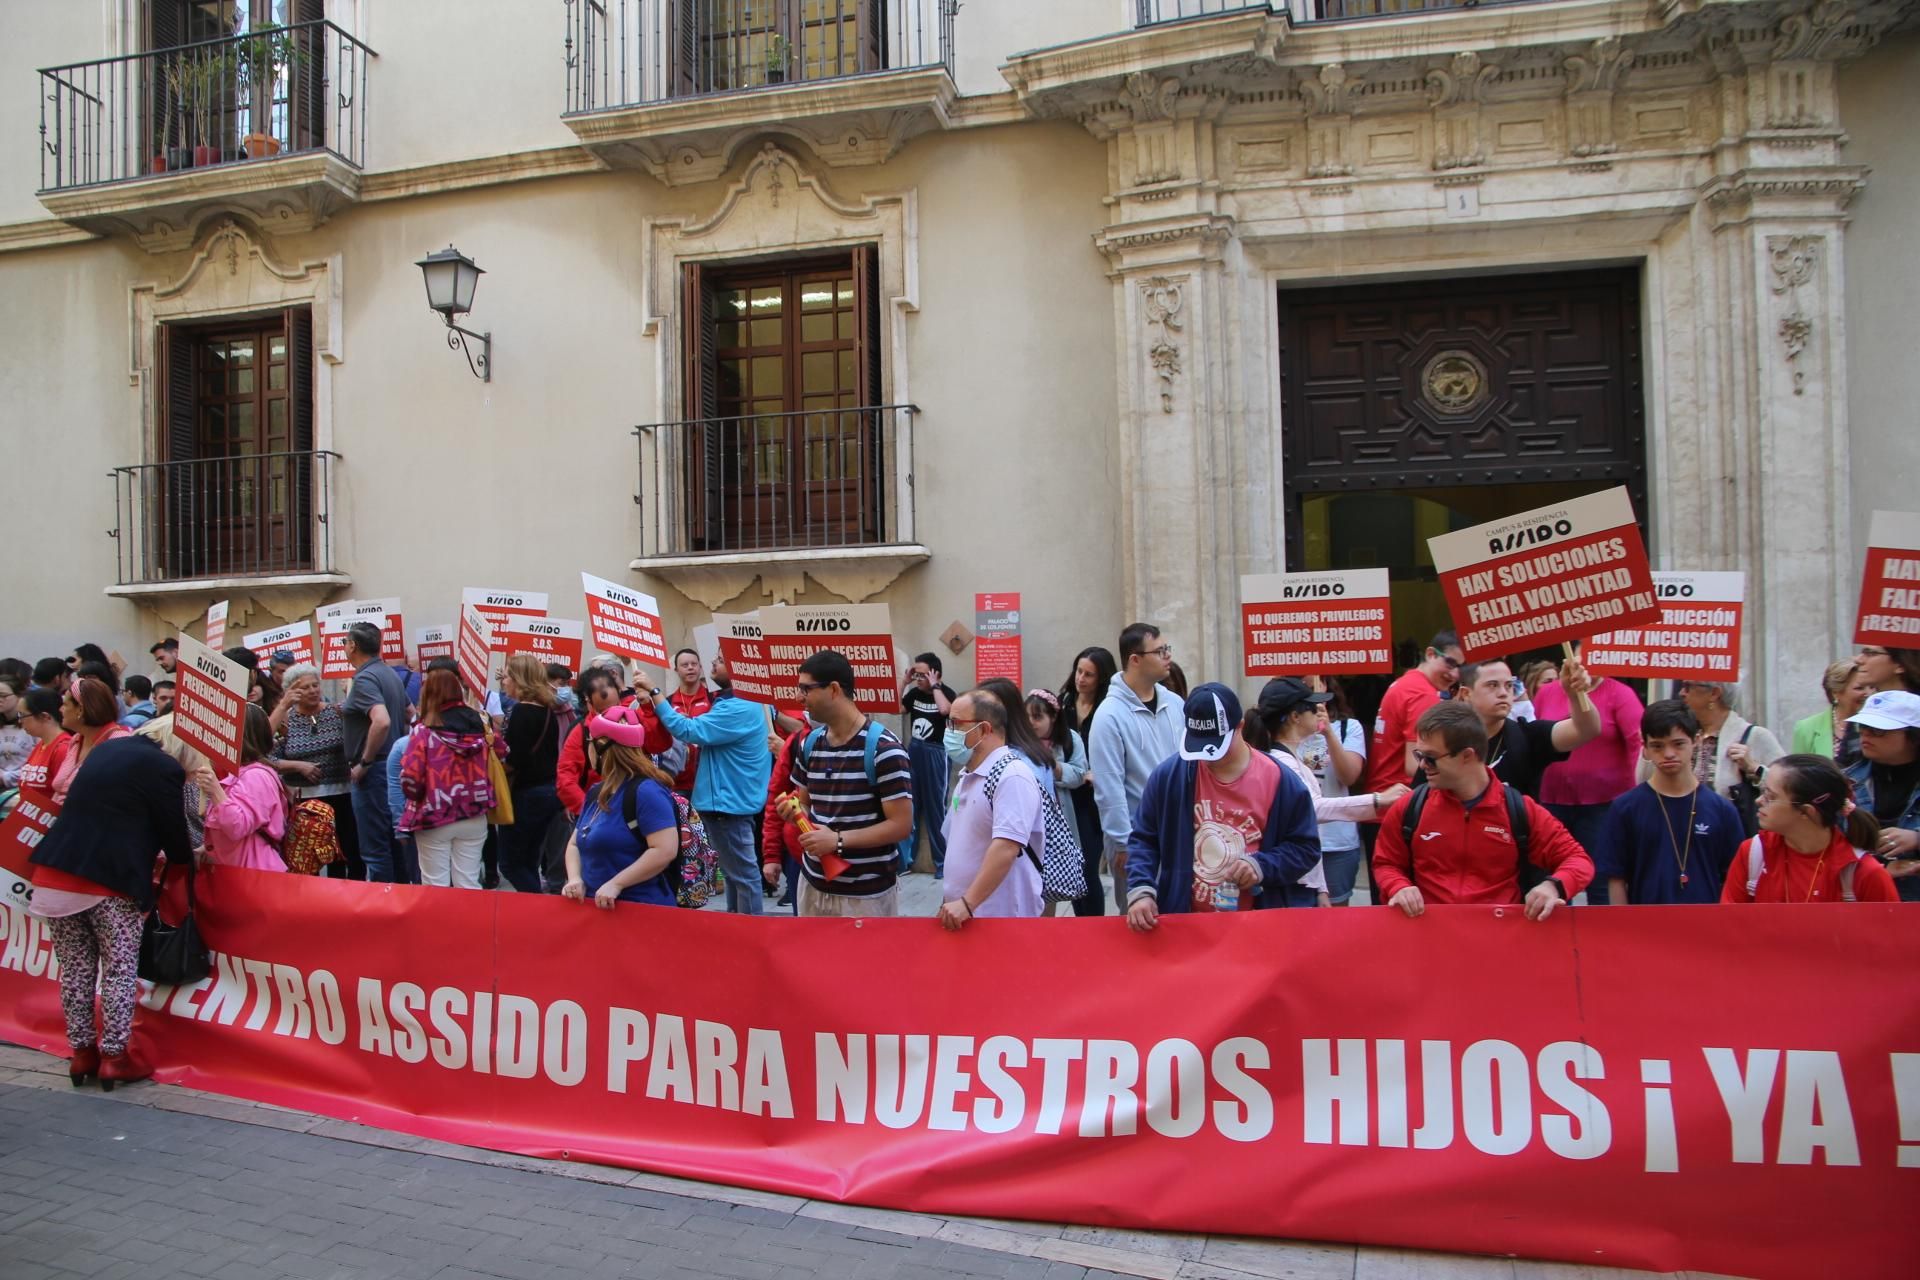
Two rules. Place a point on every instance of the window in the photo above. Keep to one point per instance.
(786, 436)
(203, 98)
(743, 44)
(235, 476)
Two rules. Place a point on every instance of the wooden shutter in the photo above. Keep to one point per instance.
(303, 473)
(701, 388)
(877, 455)
(166, 28)
(683, 49)
(308, 80)
(171, 498)
(873, 38)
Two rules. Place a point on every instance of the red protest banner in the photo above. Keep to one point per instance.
(497, 604)
(996, 644)
(209, 703)
(864, 632)
(295, 637)
(1890, 583)
(1560, 572)
(1326, 623)
(384, 614)
(336, 654)
(433, 642)
(474, 647)
(745, 651)
(624, 621)
(548, 639)
(1697, 637)
(1227, 1081)
(21, 832)
(216, 627)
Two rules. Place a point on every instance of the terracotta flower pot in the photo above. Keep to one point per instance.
(159, 164)
(261, 145)
(204, 156)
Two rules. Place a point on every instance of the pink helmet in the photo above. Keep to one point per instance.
(620, 724)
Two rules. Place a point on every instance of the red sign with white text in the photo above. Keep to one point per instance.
(20, 833)
(864, 632)
(497, 604)
(336, 652)
(385, 614)
(1534, 1089)
(433, 642)
(216, 627)
(209, 703)
(996, 636)
(1697, 637)
(548, 639)
(295, 637)
(474, 648)
(1560, 572)
(624, 621)
(1327, 623)
(1890, 583)
(745, 650)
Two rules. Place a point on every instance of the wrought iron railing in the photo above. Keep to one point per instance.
(1152, 12)
(776, 481)
(249, 515)
(623, 53)
(274, 92)
(1334, 10)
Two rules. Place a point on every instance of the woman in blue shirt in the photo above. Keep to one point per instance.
(628, 836)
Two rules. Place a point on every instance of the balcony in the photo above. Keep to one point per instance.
(271, 125)
(1151, 13)
(262, 520)
(668, 87)
(723, 499)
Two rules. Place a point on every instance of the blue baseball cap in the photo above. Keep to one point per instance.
(1213, 713)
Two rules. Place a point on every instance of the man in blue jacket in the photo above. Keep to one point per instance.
(730, 790)
(1220, 826)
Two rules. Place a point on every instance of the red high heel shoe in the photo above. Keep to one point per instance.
(84, 1063)
(119, 1068)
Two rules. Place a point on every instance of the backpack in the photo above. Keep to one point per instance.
(1526, 873)
(695, 870)
(873, 731)
(1063, 872)
(311, 841)
(1757, 867)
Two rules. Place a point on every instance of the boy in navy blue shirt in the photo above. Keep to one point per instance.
(1669, 839)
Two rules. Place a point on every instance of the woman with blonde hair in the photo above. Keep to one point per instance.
(533, 738)
(159, 731)
(1846, 685)
(628, 838)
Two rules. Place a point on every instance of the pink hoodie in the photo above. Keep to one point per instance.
(246, 830)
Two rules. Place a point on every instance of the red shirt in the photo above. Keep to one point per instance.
(697, 703)
(1790, 876)
(1400, 710)
(1229, 818)
(36, 775)
(1463, 855)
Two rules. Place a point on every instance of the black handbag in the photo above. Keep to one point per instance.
(1745, 795)
(173, 954)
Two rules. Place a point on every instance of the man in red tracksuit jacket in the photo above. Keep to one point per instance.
(1463, 849)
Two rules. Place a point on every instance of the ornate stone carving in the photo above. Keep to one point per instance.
(1329, 120)
(1464, 80)
(1455, 93)
(1808, 35)
(1795, 330)
(1794, 259)
(1163, 300)
(1592, 78)
(1149, 99)
(1332, 92)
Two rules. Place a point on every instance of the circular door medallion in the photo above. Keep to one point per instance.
(1454, 382)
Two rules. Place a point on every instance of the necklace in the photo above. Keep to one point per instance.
(1680, 853)
(1814, 888)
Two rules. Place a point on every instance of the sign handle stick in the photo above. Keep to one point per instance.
(1581, 701)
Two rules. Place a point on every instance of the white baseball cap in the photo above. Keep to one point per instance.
(1894, 709)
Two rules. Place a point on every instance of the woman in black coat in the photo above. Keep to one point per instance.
(93, 882)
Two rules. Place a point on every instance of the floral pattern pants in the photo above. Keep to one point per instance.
(103, 939)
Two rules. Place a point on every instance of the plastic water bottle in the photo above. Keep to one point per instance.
(1226, 896)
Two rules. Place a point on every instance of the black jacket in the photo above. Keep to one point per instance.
(125, 805)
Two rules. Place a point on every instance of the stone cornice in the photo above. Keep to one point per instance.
(43, 233)
(482, 171)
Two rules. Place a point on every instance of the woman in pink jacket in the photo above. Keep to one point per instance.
(247, 813)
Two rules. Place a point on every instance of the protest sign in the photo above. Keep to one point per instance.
(1325, 623)
(1890, 584)
(295, 637)
(864, 632)
(216, 627)
(336, 653)
(548, 639)
(624, 621)
(745, 651)
(1219, 1076)
(474, 647)
(1697, 637)
(996, 646)
(384, 614)
(19, 835)
(433, 642)
(209, 703)
(497, 604)
(1560, 572)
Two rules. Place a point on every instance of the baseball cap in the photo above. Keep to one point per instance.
(1288, 692)
(283, 656)
(1894, 709)
(1213, 713)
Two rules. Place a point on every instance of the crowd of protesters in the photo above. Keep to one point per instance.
(1474, 784)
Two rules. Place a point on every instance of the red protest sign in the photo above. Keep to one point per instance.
(295, 637)
(624, 621)
(216, 627)
(336, 653)
(996, 642)
(548, 639)
(1335, 622)
(433, 642)
(21, 832)
(209, 703)
(1697, 637)
(864, 632)
(1890, 584)
(497, 604)
(744, 649)
(384, 614)
(1560, 572)
(474, 649)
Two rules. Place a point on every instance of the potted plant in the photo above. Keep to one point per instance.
(205, 83)
(779, 55)
(172, 125)
(258, 61)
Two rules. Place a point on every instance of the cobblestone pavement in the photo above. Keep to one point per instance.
(154, 1181)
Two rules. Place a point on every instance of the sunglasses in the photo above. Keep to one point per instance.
(806, 689)
(1427, 759)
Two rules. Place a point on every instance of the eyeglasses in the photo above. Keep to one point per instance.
(1427, 759)
(1453, 663)
(1164, 651)
(806, 689)
(962, 724)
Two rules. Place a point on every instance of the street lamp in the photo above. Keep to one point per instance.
(451, 277)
